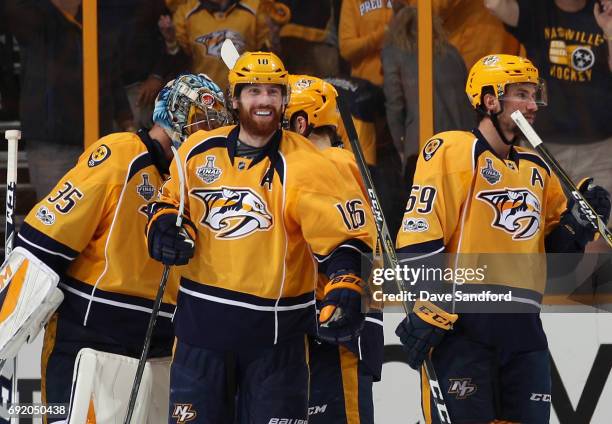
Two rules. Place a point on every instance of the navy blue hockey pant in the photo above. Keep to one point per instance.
(340, 388)
(481, 383)
(261, 386)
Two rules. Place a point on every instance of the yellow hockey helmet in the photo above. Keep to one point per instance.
(258, 68)
(316, 98)
(498, 71)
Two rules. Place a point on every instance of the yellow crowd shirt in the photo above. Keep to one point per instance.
(201, 32)
(360, 33)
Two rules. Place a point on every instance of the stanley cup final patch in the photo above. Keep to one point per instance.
(209, 173)
(489, 173)
(146, 190)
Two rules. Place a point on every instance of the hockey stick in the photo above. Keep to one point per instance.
(12, 137)
(229, 53)
(158, 299)
(537, 143)
(388, 248)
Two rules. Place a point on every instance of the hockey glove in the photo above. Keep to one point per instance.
(169, 244)
(578, 220)
(341, 318)
(422, 330)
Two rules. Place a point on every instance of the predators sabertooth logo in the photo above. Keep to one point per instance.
(233, 212)
(211, 42)
(517, 211)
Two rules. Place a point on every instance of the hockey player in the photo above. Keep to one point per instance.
(260, 202)
(478, 193)
(89, 231)
(341, 374)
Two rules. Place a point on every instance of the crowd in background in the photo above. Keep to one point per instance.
(367, 47)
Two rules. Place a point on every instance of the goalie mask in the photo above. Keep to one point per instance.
(189, 103)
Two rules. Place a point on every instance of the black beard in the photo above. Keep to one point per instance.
(257, 128)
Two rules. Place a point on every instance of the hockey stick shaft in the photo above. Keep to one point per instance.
(145, 351)
(12, 138)
(388, 247)
(536, 142)
(158, 298)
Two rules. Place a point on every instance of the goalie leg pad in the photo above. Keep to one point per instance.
(28, 297)
(101, 386)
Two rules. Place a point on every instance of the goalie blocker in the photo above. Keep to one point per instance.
(28, 297)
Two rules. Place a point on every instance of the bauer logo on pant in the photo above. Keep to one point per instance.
(98, 156)
(233, 212)
(517, 211)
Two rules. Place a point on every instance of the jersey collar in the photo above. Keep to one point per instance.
(156, 152)
(270, 151)
(483, 145)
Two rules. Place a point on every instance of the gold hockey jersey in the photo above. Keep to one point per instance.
(494, 212)
(201, 32)
(90, 229)
(259, 222)
(369, 346)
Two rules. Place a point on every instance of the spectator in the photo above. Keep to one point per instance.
(145, 64)
(199, 28)
(9, 84)
(51, 99)
(472, 29)
(570, 41)
(361, 33)
(400, 65)
(309, 42)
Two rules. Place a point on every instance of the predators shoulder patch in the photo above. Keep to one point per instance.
(431, 148)
(98, 156)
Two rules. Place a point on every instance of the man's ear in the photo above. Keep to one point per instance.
(234, 103)
(491, 103)
(301, 125)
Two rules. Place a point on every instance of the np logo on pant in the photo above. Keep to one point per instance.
(183, 413)
(461, 387)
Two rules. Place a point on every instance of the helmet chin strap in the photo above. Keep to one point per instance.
(495, 121)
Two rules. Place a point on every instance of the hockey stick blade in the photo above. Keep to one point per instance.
(536, 142)
(387, 243)
(229, 53)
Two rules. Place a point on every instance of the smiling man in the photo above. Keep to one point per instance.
(261, 203)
